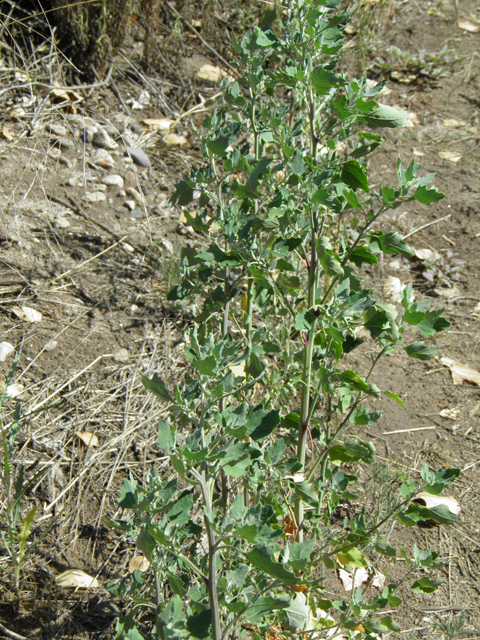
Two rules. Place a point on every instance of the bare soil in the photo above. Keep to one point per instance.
(99, 277)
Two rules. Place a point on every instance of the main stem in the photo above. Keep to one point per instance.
(212, 561)
(303, 427)
(307, 372)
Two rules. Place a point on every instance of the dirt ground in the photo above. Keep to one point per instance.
(96, 260)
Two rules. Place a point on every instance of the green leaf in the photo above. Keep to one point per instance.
(324, 80)
(166, 436)
(354, 175)
(260, 424)
(25, 530)
(198, 625)
(157, 386)
(329, 261)
(183, 194)
(442, 479)
(205, 367)
(396, 397)
(264, 605)
(296, 614)
(179, 513)
(382, 547)
(126, 629)
(426, 585)
(420, 351)
(238, 508)
(297, 166)
(172, 618)
(352, 451)
(262, 558)
(361, 255)
(353, 558)
(259, 170)
(427, 196)
(385, 116)
(305, 491)
(237, 577)
(300, 554)
(374, 626)
(304, 320)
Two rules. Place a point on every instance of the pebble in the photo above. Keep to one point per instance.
(137, 213)
(120, 210)
(54, 152)
(121, 193)
(138, 156)
(66, 162)
(61, 222)
(100, 187)
(113, 180)
(72, 182)
(64, 143)
(136, 195)
(144, 189)
(130, 204)
(103, 140)
(87, 134)
(57, 130)
(111, 129)
(101, 154)
(77, 118)
(95, 196)
(167, 245)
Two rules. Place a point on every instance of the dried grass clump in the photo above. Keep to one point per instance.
(90, 33)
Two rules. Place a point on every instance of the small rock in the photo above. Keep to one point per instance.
(66, 162)
(121, 193)
(130, 204)
(5, 350)
(137, 213)
(101, 187)
(51, 345)
(162, 197)
(61, 222)
(95, 196)
(72, 182)
(64, 143)
(111, 130)
(105, 164)
(87, 134)
(121, 355)
(90, 178)
(57, 130)
(136, 195)
(101, 154)
(144, 189)
(54, 152)
(102, 140)
(83, 121)
(167, 245)
(138, 156)
(113, 180)
(120, 210)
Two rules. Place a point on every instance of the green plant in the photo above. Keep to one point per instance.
(18, 526)
(453, 627)
(263, 435)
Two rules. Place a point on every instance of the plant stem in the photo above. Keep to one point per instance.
(212, 559)
(307, 371)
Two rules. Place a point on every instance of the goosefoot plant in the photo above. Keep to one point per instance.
(241, 534)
